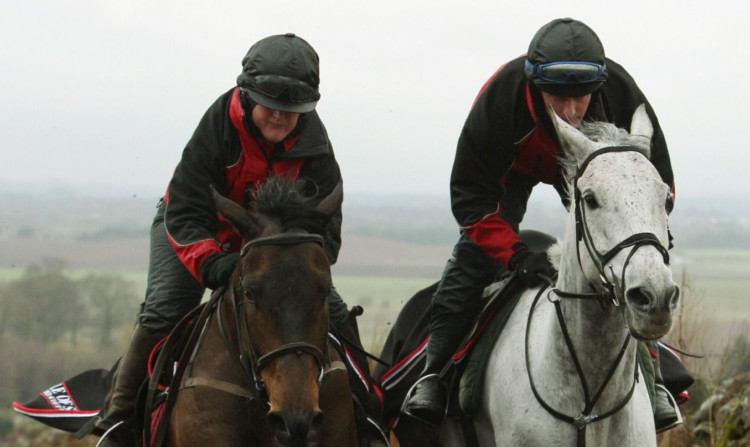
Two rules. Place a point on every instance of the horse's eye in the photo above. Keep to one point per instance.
(250, 293)
(590, 201)
(669, 205)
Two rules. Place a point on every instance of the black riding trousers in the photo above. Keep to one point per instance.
(457, 300)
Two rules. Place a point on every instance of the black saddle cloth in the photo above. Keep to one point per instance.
(70, 404)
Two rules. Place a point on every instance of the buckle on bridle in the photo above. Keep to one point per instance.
(582, 420)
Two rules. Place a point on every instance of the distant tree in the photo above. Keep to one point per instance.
(44, 303)
(108, 298)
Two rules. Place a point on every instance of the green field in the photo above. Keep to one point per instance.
(716, 286)
(382, 299)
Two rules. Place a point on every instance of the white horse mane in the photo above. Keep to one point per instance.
(609, 135)
(554, 253)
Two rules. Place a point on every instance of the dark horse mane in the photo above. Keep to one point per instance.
(288, 203)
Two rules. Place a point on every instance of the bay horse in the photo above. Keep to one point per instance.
(563, 371)
(263, 372)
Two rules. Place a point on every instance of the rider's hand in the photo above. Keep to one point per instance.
(531, 266)
(217, 269)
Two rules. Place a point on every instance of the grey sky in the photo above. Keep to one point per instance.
(104, 94)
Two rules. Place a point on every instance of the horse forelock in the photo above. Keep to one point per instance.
(611, 135)
(283, 201)
(606, 134)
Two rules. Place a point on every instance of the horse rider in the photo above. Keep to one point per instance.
(507, 146)
(266, 125)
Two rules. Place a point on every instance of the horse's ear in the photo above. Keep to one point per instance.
(573, 142)
(332, 202)
(244, 222)
(641, 125)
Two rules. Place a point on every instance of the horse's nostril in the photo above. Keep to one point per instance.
(316, 427)
(638, 297)
(277, 424)
(317, 420)
(675, 300)
(292, 429)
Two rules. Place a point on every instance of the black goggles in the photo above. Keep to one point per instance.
(566, 71)
(274, 86)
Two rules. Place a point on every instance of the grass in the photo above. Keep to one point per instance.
(729, 298)
(382, 298)
(720, 279)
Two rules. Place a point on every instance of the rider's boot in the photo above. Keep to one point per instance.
(368, 407)
(114, 423)
(666, 412)
(427, 401)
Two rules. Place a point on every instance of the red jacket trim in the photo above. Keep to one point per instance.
(495, 236)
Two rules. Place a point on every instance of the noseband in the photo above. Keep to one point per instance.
(250, 362)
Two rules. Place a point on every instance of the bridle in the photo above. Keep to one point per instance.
(613, 291)
(250, 362)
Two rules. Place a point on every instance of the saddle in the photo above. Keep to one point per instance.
(407, 342)
(406, 346)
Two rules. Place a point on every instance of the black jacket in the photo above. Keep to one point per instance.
(224, 152)
(508, 145)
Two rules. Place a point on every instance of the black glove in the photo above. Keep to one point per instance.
(217, 269)
(530, 265)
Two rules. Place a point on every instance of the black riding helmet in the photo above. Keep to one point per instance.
(566, 58)
(281, 72)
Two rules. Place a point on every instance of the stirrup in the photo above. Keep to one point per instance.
(672, 403)
(412, 391)
(108, 432)
(119, 425)
(374, 427)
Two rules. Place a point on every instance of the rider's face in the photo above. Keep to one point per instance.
(570, 108)
(273, 124)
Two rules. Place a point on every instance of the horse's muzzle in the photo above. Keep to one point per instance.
(296, 429)
(652, 309)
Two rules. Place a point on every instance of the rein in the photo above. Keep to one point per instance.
(249, 361)
(585, 417)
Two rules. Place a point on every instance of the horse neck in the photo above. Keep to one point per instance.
(597, 330)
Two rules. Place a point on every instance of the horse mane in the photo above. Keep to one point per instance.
(600, 132)
(604, 132)
(285, 202)
(554, 254)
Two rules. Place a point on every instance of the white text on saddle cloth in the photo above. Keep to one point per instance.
(58, 397)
